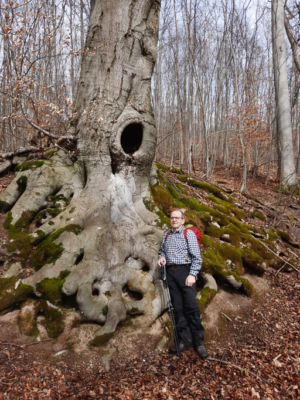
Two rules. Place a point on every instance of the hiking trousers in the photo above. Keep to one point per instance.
(187, 314)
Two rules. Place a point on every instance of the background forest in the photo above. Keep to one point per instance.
(213, 88)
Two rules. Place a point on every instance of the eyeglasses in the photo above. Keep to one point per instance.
(176, 218)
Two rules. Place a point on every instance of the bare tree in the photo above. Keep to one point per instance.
(283, 110)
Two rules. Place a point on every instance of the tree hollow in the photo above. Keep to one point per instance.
(132, 137)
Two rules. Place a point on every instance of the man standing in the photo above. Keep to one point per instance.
(183, 262)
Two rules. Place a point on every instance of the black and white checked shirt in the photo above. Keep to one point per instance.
(177, 250)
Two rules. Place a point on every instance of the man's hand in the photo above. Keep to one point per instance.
(161, 262)
(190, 280)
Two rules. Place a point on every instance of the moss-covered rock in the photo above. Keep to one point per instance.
(253, 261)
(205, 186)
(284, 236)
(53, 321)
(13, 292)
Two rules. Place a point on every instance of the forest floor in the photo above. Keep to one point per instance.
(256, 357)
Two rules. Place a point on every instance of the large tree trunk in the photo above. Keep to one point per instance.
(283, 109)
(111, 262)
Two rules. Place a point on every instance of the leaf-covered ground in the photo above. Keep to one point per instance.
(258, 358)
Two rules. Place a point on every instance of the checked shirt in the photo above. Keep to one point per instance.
(177, 250)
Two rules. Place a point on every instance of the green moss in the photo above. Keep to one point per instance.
(29, 165)
(243, 228)
(257, 247)
(22, 184)
(284, 236)
(21, 242)
(247, 287)
(228, 252)
(48, 251)
(207, 242)
(205, 186)
(13, 293)
(192, 204)
(4, 207)
(162, 198)
(180, 187)
(225, 204)
(50, 153)
(253, 261)
(72, 210)
(214, 231)
(53, 319)
(173, 191)
(24, 221)
(101, 339)
(51, 289)
(43, 214)
(207, 295)
(258, 214)
(162, 167)
(177, 170)
(234, 234)
(55, 198)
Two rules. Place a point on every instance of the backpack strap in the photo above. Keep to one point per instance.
(185, 233)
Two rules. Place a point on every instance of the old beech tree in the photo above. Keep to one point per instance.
(106, 235)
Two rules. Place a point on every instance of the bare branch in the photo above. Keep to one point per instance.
(293, 42)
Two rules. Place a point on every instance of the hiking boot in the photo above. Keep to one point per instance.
(201, 351)
(182, 347)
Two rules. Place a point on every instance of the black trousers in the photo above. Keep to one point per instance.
(187, 313)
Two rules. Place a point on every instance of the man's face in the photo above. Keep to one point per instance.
(176, 220)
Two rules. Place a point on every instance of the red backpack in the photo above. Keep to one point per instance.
(196, 231)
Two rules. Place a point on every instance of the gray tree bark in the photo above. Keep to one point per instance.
(283, 109)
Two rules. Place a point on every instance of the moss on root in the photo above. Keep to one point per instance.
(46, 213)
(29, 165)
(4, 207)
(22, 184)
(20, 241)
(253, 262)
(51, 289)
(47, 252)
(12, 293)
(53, 321)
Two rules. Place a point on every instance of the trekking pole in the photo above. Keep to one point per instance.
(170, 309)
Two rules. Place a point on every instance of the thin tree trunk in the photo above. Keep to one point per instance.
(283, 110)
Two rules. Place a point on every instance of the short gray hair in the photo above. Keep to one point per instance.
(181, 210)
